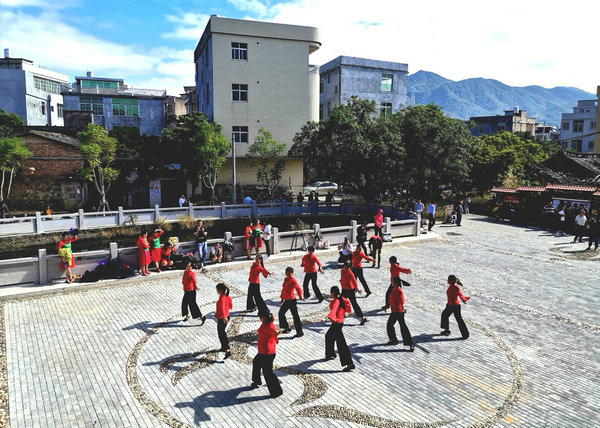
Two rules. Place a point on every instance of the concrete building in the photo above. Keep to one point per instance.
(597, 136)
(112, 103)
(252, 74)
(578, 129)
(174, 105)
(190, 99)
(31, 92)
(513, 120)
(382, 81)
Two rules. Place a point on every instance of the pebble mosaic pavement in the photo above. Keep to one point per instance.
(121, 356)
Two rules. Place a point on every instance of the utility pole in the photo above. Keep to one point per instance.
(233, 187)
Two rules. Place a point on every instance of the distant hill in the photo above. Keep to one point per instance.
(487, 97)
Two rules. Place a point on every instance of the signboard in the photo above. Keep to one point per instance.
(154, 192)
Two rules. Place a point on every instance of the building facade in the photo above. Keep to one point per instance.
(31, 92)
(112, 103)
(174, 105)
(597, 136)
(514, 120)
(382, 81)
(252, 74)
(578, 129)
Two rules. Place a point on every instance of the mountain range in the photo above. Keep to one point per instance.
(488, 97)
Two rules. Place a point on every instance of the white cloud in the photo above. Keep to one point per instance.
(256, 7)
(188, 26)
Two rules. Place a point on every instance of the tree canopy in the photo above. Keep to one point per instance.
(269, 159)
(203, 147)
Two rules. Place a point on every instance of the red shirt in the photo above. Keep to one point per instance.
(189, 280)
(267, 338)
(166, 251)
(255, 270)
(396, 300)
(62, 242)
(378, 220)
(309, 261)
(454, 294)
(247, 232)
(224, 304)
(348, 280)
(142, 243)
(289, 286)
(336, 313)
(357, 258)
(395, 271)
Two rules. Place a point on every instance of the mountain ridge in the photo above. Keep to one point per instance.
(479, 96)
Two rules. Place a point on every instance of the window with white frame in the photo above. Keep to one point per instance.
(385, 110)
(386, 82)
(46, 85)
(578, 125)
(125, 107)
(239, 92)
(60, 110)
(93, 104)
(240, 134)
(43, 108)
(239, 51)
(593, 124)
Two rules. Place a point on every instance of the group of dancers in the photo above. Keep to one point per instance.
(342, 302)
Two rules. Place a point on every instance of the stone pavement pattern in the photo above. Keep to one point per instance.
(122, 357)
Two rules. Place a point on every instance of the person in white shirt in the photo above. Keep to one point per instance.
(580, 222)
(182, 201)
(267, 233)
(418, 207)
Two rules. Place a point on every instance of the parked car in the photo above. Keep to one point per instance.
(321, 188)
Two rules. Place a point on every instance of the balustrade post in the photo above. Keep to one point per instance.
(121, 217)
(114, 250)
(353, 226)
(275, 240)
(223, 210)
(156, 213)
(191, 210)
(38, 223)
(43, 266)
(387, 228)
(81, 218)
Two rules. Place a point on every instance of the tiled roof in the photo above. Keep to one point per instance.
(503, 190)
(531, 189)
(569, 187)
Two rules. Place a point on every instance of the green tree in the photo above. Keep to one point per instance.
(354, 147)
(438, 151)
(9, 124)
(269, 159)
(12, 154)
(203, 147)
(492, 161)
(98, 151)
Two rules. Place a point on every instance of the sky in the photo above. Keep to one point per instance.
(150, 43)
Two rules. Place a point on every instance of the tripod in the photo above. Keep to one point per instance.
(295, 241)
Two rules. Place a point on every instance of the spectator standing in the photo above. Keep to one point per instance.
(378, 221)
(418, 207)
(267, 233)
(48, 210)
(361, 235)
(155, 250)
(182, 201)
(329, 199)
(459, 213)
(143, 252)
(431, 215)
(201, 235)
(467, 205)
(247, 236)
(594, 225)
(580, 222)
(300, 198)
(257, 232)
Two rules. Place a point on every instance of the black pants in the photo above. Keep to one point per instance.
(189, 301)
(579, 233)
(358, 273)
(593, 240)
(264, 363)
(362, 244)
(267, 244)
(222, 334)
(458, 219)
(454, 309)
(398, 317)
(254, 299)
(377, 230)
(290, 305)
(335, 336)
(431, 221)
(311, 277)
(351, 295)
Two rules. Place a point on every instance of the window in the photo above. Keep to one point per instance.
(239, 51)
(207, 94)
(328, 77)
(385, 110)
(335, 89)
(501, 127)
(239, 92)
(579, 144)
(46, 85)
(93, 104)
(99, 84)
(565, 126)
(593, 124)
(481, 128)
(320, 111)
(578, 126)
(386, 82)
(240, 134)
(43, 108)
(321, 85)
(328, 107)
(60, 110)
(591, 146)
(125, 107)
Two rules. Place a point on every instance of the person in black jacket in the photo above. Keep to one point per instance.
(361, 235)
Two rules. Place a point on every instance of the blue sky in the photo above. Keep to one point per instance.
(150, 43)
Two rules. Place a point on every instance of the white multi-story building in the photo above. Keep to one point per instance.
(31, 92)
(252, 74)
(578, 129)
(382, 81)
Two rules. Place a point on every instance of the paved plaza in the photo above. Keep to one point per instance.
(120, 356)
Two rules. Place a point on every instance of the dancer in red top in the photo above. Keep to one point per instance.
(357, 257)
(247, 235)
(143, 252)
(67, 261)
(257, 232)
(165, 253)
(349, 290)
(378, 222)
(224, 305)
(310, 263)
(155, 251)
(453, 307)
(254, 299)
(395, 270)
(289, 303)
(397, 304)
(337, 308)
(190, 286)
(263, 361)
(375, 245)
